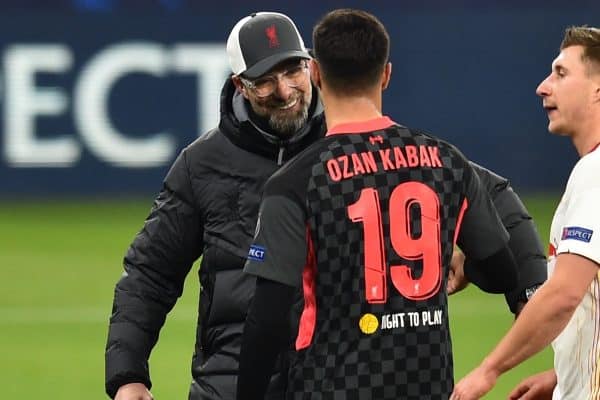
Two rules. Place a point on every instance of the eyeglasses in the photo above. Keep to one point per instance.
(266, 85)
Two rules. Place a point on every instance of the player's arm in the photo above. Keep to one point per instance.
(483, 238)
(277, 258)
(265, 336)
(500, 270)
(552, 309)
(542, 319)
(531, 261)
(524, 242)
(155, 266)
(549, 311)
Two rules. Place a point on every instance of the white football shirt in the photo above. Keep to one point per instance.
(576, 229)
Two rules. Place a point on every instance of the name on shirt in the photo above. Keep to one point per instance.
(368, 162)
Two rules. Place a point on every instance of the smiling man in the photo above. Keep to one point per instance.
(208, 207)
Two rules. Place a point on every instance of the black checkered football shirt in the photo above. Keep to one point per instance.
(365, 221)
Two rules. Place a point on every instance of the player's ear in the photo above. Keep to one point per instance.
(387, 75)
(597, 93)
(239, 85)
(594, 72)
(315, 73)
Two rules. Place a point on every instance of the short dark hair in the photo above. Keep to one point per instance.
(352, 48)
(589, 39)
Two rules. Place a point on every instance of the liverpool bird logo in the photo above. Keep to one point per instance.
(271, 33)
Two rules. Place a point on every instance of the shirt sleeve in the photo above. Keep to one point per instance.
(524, 243)
(279, 250)
(264, 337)
(156, 265)
(481, 233)
(580, 234)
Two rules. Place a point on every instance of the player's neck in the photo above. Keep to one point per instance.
(587, 137)
(348, 109)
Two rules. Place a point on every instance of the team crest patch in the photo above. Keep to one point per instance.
(271, 33)
(577, 233)
(256, 253)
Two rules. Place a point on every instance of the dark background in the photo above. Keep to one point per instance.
(463, 70)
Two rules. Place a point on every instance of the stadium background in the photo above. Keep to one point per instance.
(99, 96)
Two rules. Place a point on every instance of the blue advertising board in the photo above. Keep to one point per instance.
(99, 97)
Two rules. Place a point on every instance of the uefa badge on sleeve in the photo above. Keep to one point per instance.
(577, 233)
(256, 253)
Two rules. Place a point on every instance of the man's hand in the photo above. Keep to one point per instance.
(134, 391)
(457, 280)
(475, 385)
(536, 387)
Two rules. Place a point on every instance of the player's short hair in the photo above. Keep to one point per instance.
(589, 39)
(352, 48)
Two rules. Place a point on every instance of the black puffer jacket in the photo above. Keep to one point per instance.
(524, 242)
(208, 206)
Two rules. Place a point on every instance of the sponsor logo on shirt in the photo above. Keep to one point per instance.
(577, 233)
(368, 324)
(256, 253)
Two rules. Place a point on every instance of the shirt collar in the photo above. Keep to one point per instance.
(370, 125)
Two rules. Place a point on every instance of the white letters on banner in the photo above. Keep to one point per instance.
(24, 101)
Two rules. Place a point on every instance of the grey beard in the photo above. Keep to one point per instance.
(286, 127)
